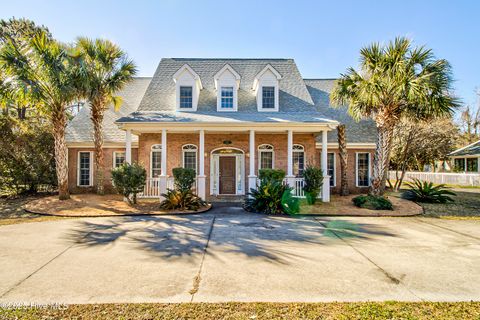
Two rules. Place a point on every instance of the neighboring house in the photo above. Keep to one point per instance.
(225, 118)
(466, 159)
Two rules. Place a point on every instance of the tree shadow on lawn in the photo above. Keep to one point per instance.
(254, 236)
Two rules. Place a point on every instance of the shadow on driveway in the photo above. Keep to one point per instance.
(252, 235)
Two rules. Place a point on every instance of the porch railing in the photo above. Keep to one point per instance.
(152, 187)
(298, 184)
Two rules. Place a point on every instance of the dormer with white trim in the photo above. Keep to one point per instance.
(227, 82)
(188, 85)
(266, 89)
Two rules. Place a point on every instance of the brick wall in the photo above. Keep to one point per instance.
(73, 168)
(175, 141)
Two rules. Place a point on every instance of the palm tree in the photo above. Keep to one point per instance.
(394, 81)
(342, 148)
(105, 70)
(45, 68)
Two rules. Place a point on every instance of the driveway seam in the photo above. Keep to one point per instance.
(197, 278)
(16, 285)
(448, 229)
(385, 272)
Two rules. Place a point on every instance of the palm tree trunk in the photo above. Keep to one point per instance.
(382, 158)
(342, 146)
(59, 122)
(97, 120)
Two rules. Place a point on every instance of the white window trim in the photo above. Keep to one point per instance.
(190, 150)
(334, 168)
(235, 98)
(91, 169)
(304, 154)
(267, 150)
(115, 157)
(258, 83)
(369, 169)
(195, 83)
(227, 83)
(151, 162)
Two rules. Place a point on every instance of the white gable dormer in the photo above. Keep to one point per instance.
(188, 85)
(266, 89)
(227, 82)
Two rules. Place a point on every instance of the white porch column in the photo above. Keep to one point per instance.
(201, 187)
(128, 146)
(326, 177)
(252, 178)
(290, 177)
(163, 173)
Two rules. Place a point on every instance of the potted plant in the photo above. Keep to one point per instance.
(313, 177)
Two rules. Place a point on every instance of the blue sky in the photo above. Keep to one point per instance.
(324, 37)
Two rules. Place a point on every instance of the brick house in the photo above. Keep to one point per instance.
(225, 118)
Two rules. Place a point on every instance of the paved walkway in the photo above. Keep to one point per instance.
(227, 255)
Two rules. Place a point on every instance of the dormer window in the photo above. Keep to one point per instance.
(227, 98)
(188, 86)
(266, 88)
(268, 97)
(186, 94)
(227, 82)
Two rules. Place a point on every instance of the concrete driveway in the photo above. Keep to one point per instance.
(227, 255)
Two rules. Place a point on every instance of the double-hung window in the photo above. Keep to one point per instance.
(268, 97)
(190, 156)
(363, 169)
(331, 168)
(472, 164)
(85, 168)
(226, 98)
(298, 160)
(186, 94)
(265, 156)
(118, 158)
(156, 161)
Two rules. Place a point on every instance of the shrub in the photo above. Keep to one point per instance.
(129, 180)
(271, 174)
(424, 191)
(182, 196)
(269, 197)
(313, 183)
(184, 178)
(372, 202)
(183, 200)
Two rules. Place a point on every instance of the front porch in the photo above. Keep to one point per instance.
(227, 160)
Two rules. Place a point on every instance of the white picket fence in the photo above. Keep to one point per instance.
(461, 179)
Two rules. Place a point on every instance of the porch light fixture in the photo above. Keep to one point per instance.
(227, 142)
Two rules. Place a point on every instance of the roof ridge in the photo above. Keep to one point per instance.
(263, 59)
(320, 78)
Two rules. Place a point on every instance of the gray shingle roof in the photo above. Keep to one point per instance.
(356, 132)
(160, 95)
(225, 117)
(470, 150)
(80, 129)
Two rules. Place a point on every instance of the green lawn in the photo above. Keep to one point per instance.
(366, 310)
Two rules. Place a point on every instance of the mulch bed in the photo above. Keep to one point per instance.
(343, 206)
(92, 205)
